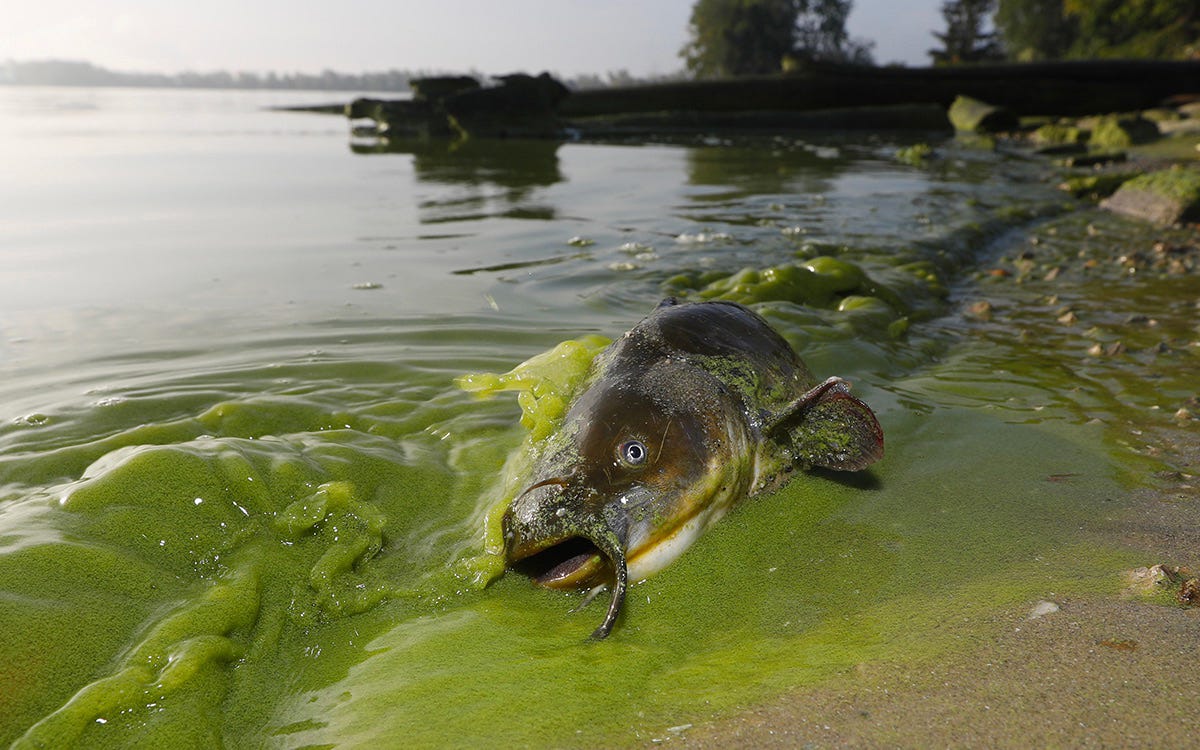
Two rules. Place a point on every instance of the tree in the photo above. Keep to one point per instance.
(1135, 28)
(1048, 29)
(1035, 29)
(964, 39)
(747, 37)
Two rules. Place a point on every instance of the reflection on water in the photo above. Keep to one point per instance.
(766, 166)
(491, 178)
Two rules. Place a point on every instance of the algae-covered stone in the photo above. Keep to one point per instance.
(973, 116)
(1164, 197)
(1116, 131)
(1095, 185)
(1056, 134)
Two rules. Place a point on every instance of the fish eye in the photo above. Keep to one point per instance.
(632, 453)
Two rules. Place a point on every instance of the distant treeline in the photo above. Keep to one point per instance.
(77, 73)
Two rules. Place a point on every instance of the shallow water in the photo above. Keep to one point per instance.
(239, 490)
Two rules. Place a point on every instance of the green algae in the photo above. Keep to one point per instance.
(792, 589)
(1059, 134)
(1095, 185)
(544, 383)
(915, 155)
(1116, 132)
(348, 563)
(1178, 184)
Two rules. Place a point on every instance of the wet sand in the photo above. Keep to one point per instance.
(1096, 673)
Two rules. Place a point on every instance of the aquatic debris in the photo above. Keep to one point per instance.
(578, 241)
(367, 286)
(1181, 581)
(981, 310)
(696, 407)
(1115, 349)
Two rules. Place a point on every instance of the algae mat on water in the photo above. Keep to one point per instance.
(293, 592)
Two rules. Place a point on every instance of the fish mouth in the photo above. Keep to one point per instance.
(570, 563)
(563, 547)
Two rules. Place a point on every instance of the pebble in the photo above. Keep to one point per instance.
(981, 310)
(1043, 608)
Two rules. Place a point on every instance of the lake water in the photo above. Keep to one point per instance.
(243, 501)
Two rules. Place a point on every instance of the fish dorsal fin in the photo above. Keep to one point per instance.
(829, 428)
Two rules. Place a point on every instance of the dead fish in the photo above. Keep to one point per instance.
(696, 407)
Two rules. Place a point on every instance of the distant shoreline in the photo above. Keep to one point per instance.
(85, 74)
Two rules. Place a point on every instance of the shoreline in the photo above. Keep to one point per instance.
(1092, 670)
(1098, 672)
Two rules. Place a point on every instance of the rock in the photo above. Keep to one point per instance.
(1164, 197)
(973, 116)
(1058, 134)
(1041, 609)
(1117, 132)
(1096, 185)
(981, 310)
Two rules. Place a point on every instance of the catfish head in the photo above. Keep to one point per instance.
(643, 460)
(697, 406)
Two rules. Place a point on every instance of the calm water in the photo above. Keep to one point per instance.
(239, 489)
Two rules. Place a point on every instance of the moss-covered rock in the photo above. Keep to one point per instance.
(1117, 132)
(1095, 185)
(973, 116)
(1164, 197)
(1059, 134)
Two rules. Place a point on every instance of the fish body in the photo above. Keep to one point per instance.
(695, 408)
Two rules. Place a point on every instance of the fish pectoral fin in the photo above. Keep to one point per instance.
(829, 428)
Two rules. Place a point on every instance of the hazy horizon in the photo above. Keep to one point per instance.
(567, 37)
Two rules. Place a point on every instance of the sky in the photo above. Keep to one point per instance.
(568, 37)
